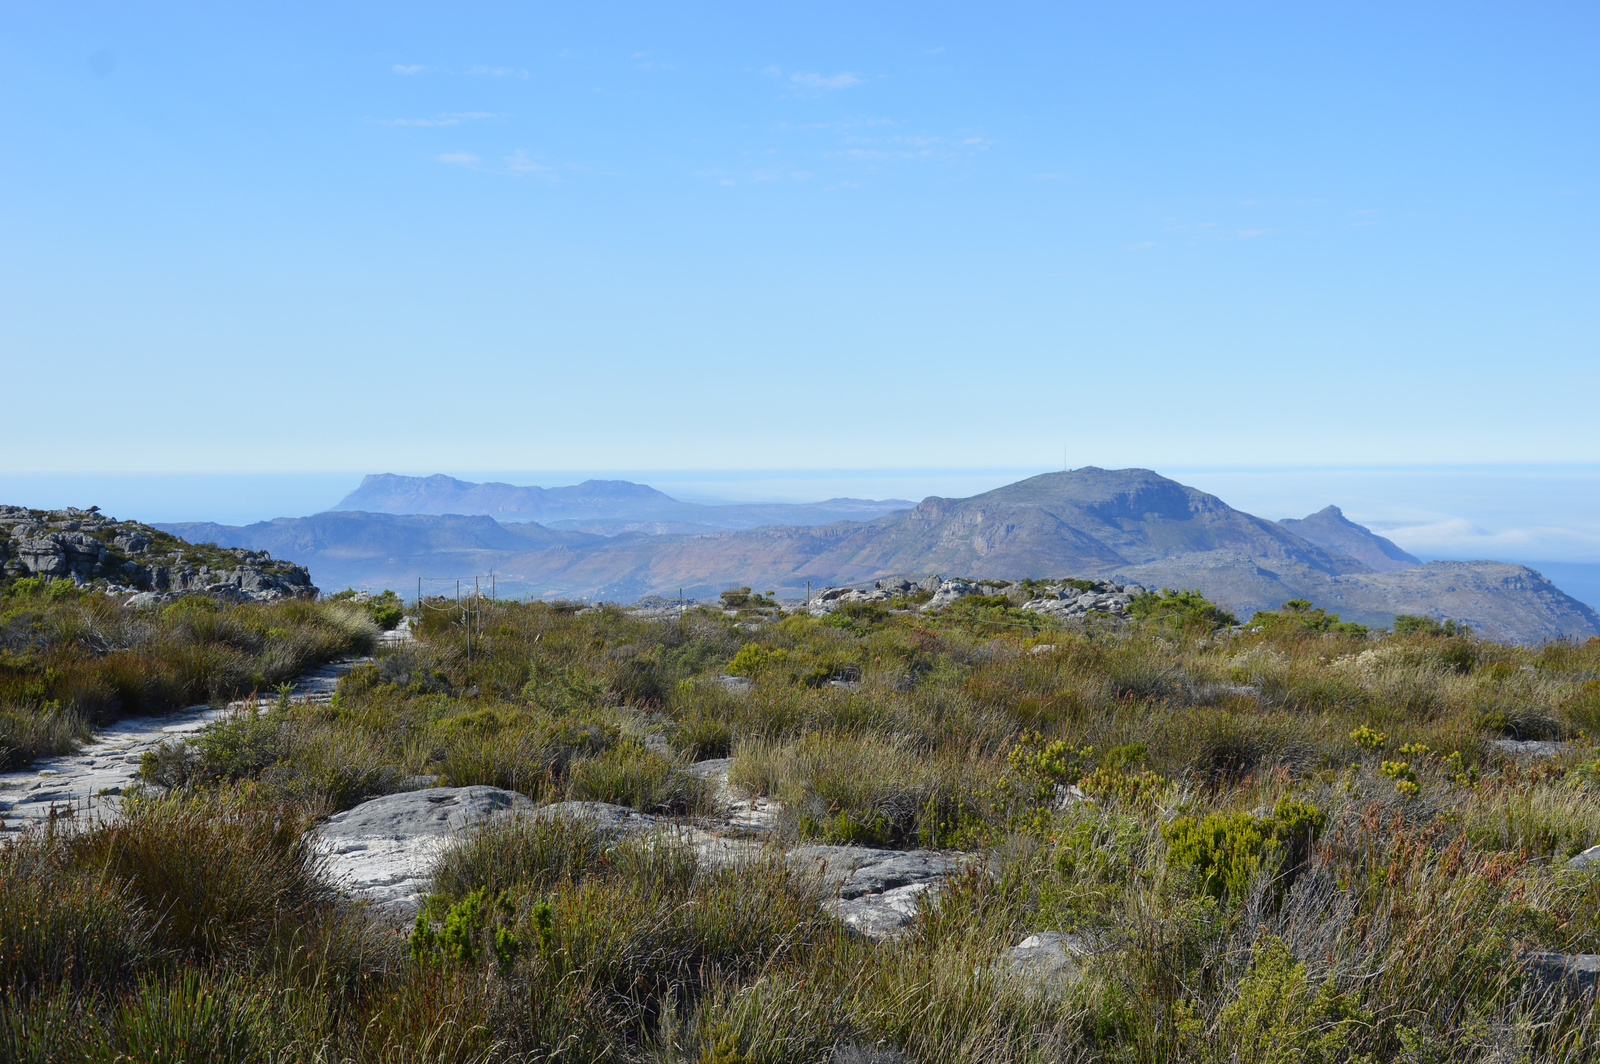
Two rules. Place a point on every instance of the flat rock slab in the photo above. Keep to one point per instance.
(877, 892)
(1588, 860)
(1529, 747)
(384, 850)
(1564, 972)
(618, 821)
(615, 820)
(732, 804)
(1049, 959)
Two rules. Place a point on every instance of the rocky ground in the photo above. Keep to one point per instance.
(1066, 599)
(383, 850)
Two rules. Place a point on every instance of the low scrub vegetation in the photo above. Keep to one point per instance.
(71, 659)
(1294, 841)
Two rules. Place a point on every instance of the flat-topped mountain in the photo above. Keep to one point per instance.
(439, 494)
(606, 507)
(1127, 525)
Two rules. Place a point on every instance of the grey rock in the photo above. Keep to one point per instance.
(1070, 794)
(877, 892)
(1564, 972)
(435, 811)
(736, 684)
(711, 769)
(615, 820)
(384, 850)
(1529, 747)
(859, 1054)
(930, 583)
(949, 591)
(90, 549)
(1049, 959)
(1587, 860)
(743, 811)
(131, 542)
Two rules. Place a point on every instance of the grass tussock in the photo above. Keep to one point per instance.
(70, 659)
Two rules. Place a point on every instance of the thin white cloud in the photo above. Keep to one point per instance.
(642, 61)
(458, 158)
(522, 161)
(440, 120)
(843, 123)
(498, 72)
(409, 68)
(825, 82)
(908, 146)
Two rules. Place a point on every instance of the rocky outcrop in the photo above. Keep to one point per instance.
(127, 558)
(1066, 599)
(383, 851)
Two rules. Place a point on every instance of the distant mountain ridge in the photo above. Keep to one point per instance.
(607, 507)
(1129, 525)
(1330, 528)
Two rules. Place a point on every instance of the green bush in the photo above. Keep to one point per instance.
(1280, 1017)
(1299, 617)
(473, 927)
(385, 608)
(1422, 624)
(1229, 850)
(238, 747)
(540, 853)
(1180, 607)
(220, 874)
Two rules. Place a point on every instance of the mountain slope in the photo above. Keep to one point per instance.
(1330, 528)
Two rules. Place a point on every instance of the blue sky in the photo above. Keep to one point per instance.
(338, 238)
